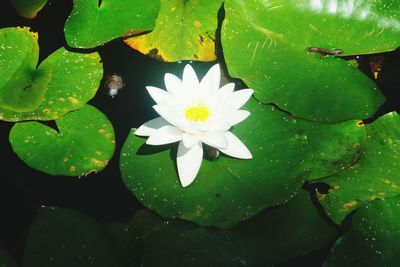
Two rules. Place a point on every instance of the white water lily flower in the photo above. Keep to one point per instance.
(193, 113)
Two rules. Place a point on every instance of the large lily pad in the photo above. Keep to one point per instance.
(63, 82)
(270, 237)
(373, 239)
(84, 143)
(93, 23)
(28, 8)
(375, 174)
(229, 190)
(265, 44)
(184, 30)
(61, 237)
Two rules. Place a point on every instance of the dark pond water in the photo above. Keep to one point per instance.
(103, 196)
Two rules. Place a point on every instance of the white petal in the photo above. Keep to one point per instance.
(173, 84)
(189, 78)
(236, 148)
(238, 116)
(165, 135)
(211, 80)
(189, 162)
(239, 98)
(163, 111)
(221, 126)
(151, 127)
(157, 94)
(189, 140)
(227, 89)
(217, 140)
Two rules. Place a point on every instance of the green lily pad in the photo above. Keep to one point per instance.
(373, 239)
(5, 259)
(335, 147)
(62, 237)
(63, 82)
(265, 44)
(270, 237)
(227, 190)
(28, 8)
(93, 23)
(149, 172)
(375, 173)
(84, 143)
(184, 30)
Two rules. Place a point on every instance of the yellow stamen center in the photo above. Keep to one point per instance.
(197, 113)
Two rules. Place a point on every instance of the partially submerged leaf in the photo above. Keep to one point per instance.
(184, 30)
(5, 259)
(290, 230)
(265, 44)
(92, 24)
(375, 174)
(47, 92)
(272, 236)
(62, 237)
(84, 143)
(373, 239)
(28, 8)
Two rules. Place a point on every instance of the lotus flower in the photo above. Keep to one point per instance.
(194, 113)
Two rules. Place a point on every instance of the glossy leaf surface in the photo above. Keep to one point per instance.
(63, 82)
(265, 44)
(373, 238)
(184, 30)
(93, 23)
(229, 190)
(84, 143)
(374, 174)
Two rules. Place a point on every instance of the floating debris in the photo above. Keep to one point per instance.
(114, 84)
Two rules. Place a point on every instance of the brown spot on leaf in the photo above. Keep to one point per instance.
(201, 39)
(197, 24)
(350, 204)
(154, 54)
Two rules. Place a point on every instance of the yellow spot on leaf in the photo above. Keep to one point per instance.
(73, 99)
(197, 23)
(336, 187)
(173, 9)
(65, 159)
(72, 168)
(62, 99)
(349, 205)
(46, 111)
(98, 163)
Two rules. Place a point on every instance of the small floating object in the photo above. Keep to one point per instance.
(114, 84)
(325, 52)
